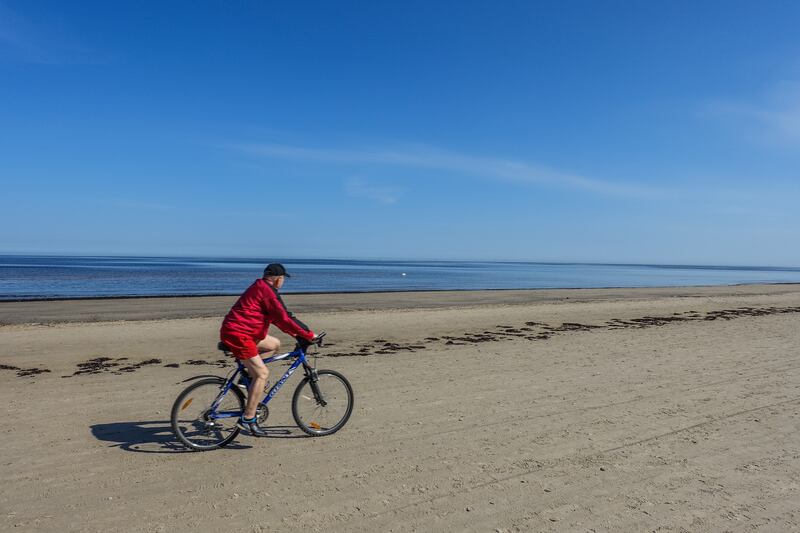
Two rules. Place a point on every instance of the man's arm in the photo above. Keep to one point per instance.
(282, 318)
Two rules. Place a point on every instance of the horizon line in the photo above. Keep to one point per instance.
(243, 258)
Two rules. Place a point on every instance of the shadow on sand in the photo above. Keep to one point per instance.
(156, 436)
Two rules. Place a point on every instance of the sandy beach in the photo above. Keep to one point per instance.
(559, 410)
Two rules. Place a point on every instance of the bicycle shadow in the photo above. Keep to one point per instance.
(153, 436)
(156, 436)
(284, 432)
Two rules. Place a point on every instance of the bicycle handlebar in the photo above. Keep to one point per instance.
(304, 344)
(318, 339)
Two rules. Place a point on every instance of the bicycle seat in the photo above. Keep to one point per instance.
(223, 347)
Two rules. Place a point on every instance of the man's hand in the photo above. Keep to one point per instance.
(305, 343)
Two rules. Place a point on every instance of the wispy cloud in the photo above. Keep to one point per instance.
(748, 212)
(359, 188)
(16, 37)
(501, 169)
(775, 118)
(22, 41)
(138, 205)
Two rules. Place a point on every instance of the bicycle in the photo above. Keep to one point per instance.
(204, 415)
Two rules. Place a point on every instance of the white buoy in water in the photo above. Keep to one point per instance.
(403, 274)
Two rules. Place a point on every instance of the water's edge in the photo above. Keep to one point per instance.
(27, 278)
(396, 291)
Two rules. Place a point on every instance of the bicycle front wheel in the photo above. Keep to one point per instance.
(199, 427)
(323, 408)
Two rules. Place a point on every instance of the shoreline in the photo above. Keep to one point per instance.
(388, 291)
(137, 308)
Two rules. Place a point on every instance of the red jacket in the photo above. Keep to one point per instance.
(257, 308)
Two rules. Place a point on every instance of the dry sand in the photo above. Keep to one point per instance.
(612, 410)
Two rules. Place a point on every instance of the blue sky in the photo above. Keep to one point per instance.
(561, 131)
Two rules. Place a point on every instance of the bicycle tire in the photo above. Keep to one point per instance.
(186, 398)
(302, 400)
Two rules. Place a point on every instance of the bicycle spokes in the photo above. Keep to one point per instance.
(204, 415)
(322, 406)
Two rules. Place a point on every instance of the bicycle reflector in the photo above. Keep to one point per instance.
(187, 403)
(314, 425)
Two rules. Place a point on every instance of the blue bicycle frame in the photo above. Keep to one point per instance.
(299, 353)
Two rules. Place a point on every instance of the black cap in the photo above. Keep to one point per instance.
(276, 269)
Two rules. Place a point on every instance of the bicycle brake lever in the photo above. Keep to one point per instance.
(320, 338)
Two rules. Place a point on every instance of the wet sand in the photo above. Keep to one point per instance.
(603, 410)
(110, 309)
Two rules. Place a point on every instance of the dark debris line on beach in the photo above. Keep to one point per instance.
(24, 372)
(219, 362)
(531, 331)
(119, 365)
(536, 331)
(99, 365)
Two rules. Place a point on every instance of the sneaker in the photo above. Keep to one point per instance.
(251, 426)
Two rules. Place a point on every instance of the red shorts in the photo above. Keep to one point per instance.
(242, 346)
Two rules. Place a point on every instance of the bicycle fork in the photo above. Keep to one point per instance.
(313, 380)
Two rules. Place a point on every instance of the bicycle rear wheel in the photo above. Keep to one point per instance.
(323, 408)
(193, 422)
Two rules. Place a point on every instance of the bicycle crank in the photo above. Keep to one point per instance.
(262, 413)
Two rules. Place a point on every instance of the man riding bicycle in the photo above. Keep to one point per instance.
(244, 331)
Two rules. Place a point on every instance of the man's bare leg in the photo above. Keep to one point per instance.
(269, 346)
(259, 373)
(258, 380)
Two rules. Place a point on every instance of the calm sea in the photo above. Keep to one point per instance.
(38, 277)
